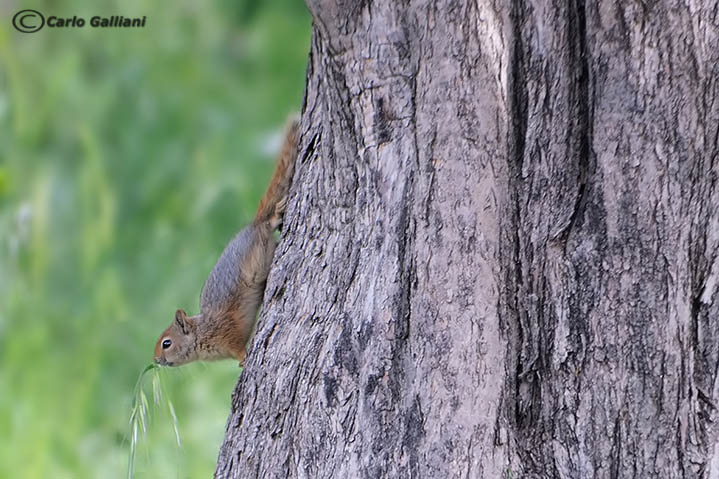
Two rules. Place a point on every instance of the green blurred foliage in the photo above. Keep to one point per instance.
(128, 158)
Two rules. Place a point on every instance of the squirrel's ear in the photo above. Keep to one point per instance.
(181, 320)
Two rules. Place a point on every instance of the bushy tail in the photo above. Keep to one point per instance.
(272, 205)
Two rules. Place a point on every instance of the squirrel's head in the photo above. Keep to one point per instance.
(177, 344)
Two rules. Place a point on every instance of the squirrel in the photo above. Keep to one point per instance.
(233, 292)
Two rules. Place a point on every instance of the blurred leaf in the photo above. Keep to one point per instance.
(4, 181)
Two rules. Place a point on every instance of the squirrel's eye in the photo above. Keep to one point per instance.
(166, 343)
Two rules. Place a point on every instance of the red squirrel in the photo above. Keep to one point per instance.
(233, 292)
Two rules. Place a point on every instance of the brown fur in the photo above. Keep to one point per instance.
(272, 204)
(233, 292)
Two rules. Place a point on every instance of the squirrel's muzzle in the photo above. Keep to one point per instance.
(162, 362)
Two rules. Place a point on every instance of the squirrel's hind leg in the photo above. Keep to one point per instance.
(278, 214)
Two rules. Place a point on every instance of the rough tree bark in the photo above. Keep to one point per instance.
(500, 253)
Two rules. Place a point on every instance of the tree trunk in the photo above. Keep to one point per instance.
(500, 251)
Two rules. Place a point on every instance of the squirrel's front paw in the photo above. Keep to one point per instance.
(241, 357)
